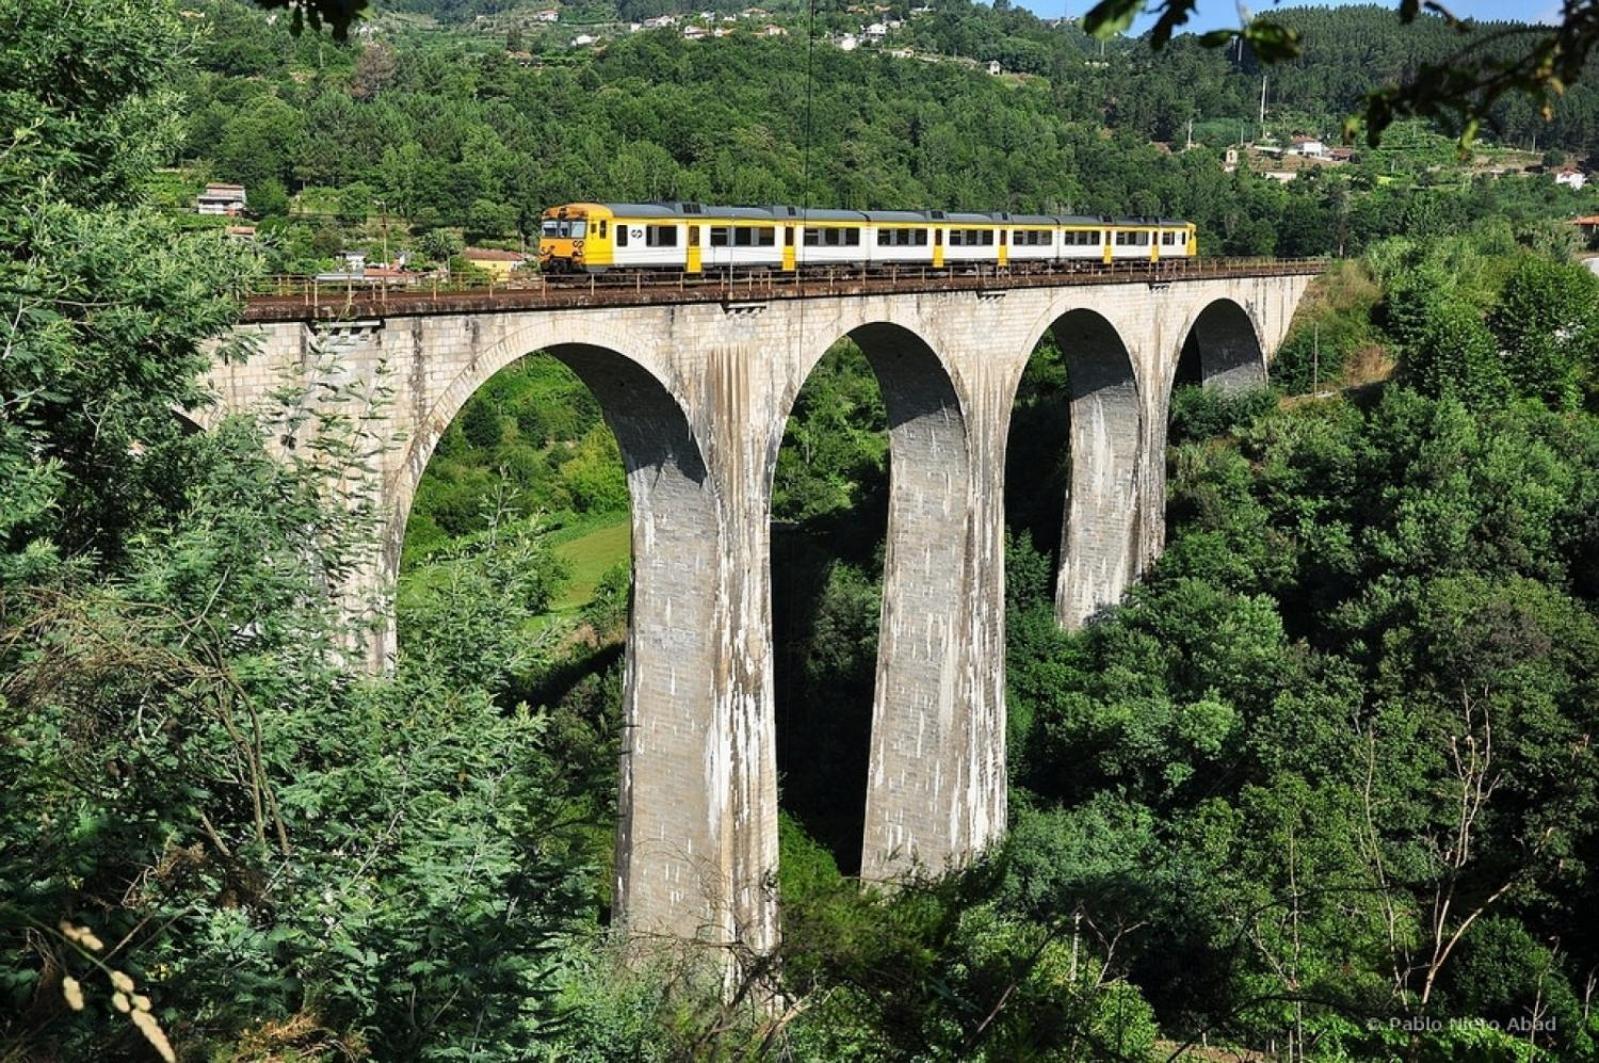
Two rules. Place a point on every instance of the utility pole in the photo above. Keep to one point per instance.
(1190, 143)
(384, 209)
(1263, 105)
(1315, 360)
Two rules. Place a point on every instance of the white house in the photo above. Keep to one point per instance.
(549, 14)
(693, 33)
(876, 31)
(1570, 177)
(583, 40)
(994, 68)
(220, 199)
(848, 43)
(1308, 146)
(774, 30)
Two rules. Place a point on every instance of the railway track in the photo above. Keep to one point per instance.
(304, 298)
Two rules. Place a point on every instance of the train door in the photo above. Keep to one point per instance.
(1106, 236)
(1004, 248)
(1154, 246)
(693, 247)
(938, 248)
(788, 247)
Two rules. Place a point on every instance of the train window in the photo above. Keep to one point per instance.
(660, 236)
(744, 236)
(719, 236)
(938, 237)
(852, 237)
(1143, 239)
(921, 237)
(813, 237)
(693, 236)
(885, 237)
(766, 237)
(621, 235)
(788, 236)
(988, 237)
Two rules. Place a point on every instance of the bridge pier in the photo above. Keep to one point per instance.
(697, 392)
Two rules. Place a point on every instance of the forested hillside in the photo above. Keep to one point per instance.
(418, 138)
(1323, 786)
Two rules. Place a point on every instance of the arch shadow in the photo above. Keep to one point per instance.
(1221, 350)
(1101, 511)
(902, 797)
(668, 845)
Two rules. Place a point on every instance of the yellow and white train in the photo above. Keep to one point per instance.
(695, 238)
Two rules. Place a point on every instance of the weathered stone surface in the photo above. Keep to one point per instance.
(698, 396)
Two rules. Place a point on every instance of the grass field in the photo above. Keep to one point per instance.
(590, 549)
(590, 546)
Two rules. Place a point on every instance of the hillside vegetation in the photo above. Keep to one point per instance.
(1323, 787)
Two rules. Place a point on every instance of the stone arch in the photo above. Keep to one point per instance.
(1221, 349)
(914, 784)
(1101, 529)
(670, 880)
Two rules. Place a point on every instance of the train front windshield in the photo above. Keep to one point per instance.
(564, 229)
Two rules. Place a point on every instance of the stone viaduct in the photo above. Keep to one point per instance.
(697, 393)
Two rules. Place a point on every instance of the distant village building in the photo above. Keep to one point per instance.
(583, 40)
(876, 31)
(774, 30)
(693, 33)
(1341, 154)
(1229, 160)
(549, 14)
(1279, 175)
(241, 232)
(660, 22)
(902, 53)
(221, 199)
(721, 31)
(1307, 146)
(1570, 177)
(994, 68)
(494, 261)
(848, 43)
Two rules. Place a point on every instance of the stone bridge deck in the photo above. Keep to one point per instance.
(304, 299)
(697, 378)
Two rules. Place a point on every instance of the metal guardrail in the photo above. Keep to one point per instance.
(289, 298)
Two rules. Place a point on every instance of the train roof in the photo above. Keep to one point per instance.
(684, 211)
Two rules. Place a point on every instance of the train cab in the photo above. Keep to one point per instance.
(576, 238)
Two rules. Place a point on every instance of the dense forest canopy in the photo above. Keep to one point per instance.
(1322, 787)
(445, 130)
